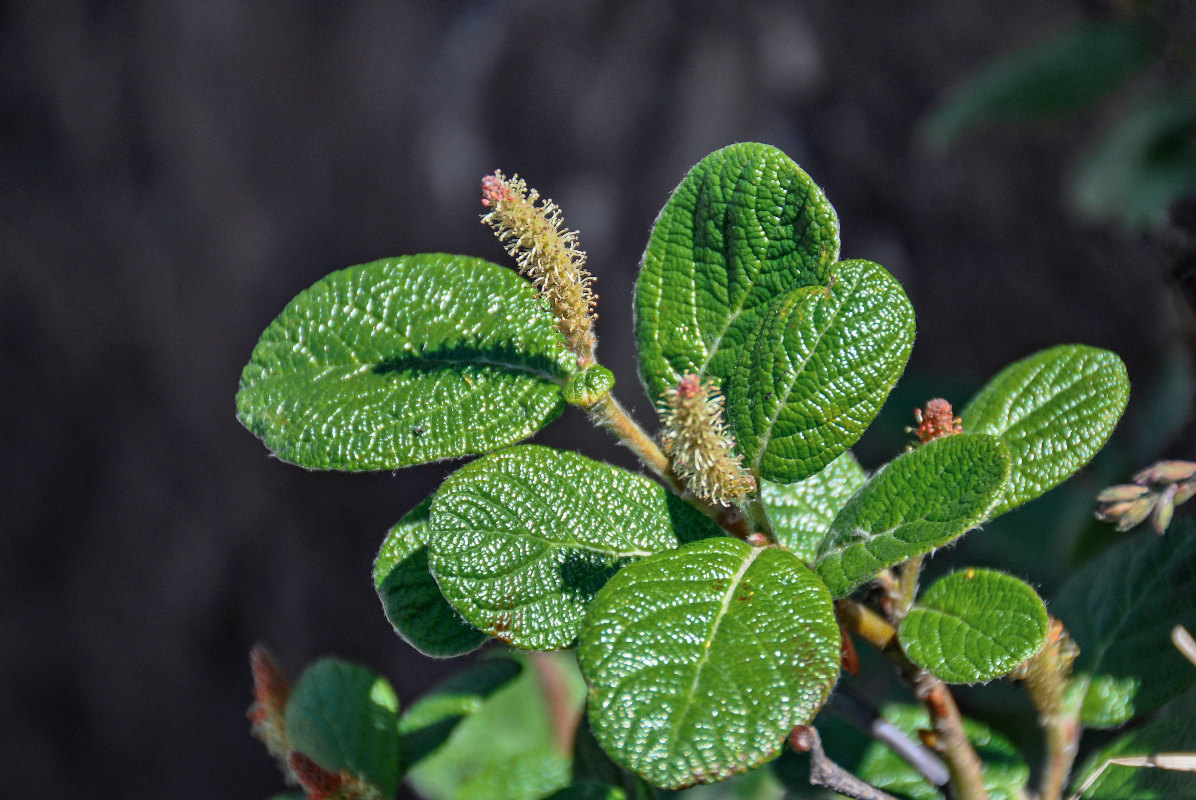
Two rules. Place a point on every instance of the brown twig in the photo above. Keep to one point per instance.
(824, 772)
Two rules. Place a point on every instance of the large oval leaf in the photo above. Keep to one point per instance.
(522, 539)
(801, 513)
(1054, 411)
(701, 660)
(403, 361)
(974, 625)
(744, 226)
(822, 362)
(410, 597)
(345, 717)
(916, 503)
(1120, 609)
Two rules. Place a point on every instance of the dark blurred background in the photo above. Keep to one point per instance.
(173, 172)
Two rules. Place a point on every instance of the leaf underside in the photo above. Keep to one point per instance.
(702, 659)
(404, 361)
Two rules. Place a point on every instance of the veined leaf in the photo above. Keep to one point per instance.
(344, 717)
(702, 659)
(429, 722)
(1054, 411)
(916, 503)
(591, 764)
(744, 226)
(404, 361)
(410, 597)
(822, 362)
(1120, 609)
(974, 625)
(801, 513)
(522, 539)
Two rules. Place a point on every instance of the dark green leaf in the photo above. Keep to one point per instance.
(507, 750)
(1120, 609)
(588, 791)
(523, 538)
(1062, 75)
(428, 723)
(1173, 731)
(801, 513)
(822, 362)
(592, 764)
(745, 226)
(403, 361)
(344, 717)
(974, 625)
(702, 659)
(1054, 411)
(410, 597)
(916, 503)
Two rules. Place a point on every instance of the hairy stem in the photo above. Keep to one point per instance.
(609, 414)
(1048, 681)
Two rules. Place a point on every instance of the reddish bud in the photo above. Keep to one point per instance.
(316, 781)
(936, 421)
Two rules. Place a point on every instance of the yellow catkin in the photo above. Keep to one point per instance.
(696, 440)
(546, 253)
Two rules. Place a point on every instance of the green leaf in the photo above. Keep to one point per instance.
(916, 503)
(1064, 74)
(1173, 731)
(404, 361)
(507, 749)
(1120, 609)
(344, 717)
(974, 625)
(1054, 411)
(801, 513)
(523, 538)
(702, 659)
(745, 226)
(410, 597)
(588, 791)
(429, 722)
(822, 362)
(592, 764)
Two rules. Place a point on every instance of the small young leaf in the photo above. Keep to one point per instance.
(410, 597)
(1061, 75)
(702, 659)
(974, 625)
(507, 749)
(1120, 609)
(522, 539)
(1054, 411)
(801, 513)
(403, 361)
(745, 226)
(429, 722)
(822, 362)
(344, 717)
(916, 503)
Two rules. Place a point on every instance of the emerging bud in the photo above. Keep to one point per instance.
(321, 784)
(1155, 493)
(546, 254)
(1166, 472)
(697, 442)
(270, 694)
(936, 421)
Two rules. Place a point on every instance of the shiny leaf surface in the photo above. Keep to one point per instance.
(404, 361)
(821, 364)
(522, 539)
(914, 504)
(744, 226)
(801, 513)
(974, 625)
(702, 659)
